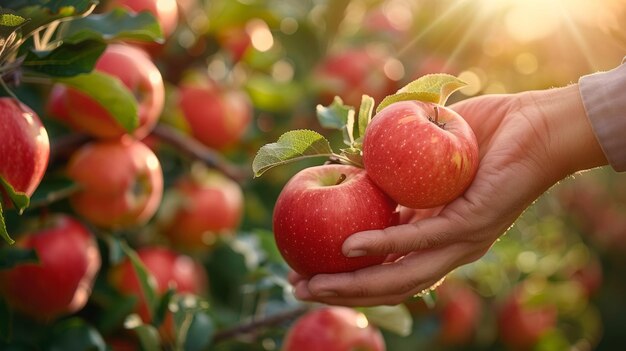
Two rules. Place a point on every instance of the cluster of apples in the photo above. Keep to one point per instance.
(120, 183)
(415, 153)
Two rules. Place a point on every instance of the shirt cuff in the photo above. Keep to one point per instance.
(604, 98)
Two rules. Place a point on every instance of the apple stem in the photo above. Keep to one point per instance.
(342, 177)
(436, 108)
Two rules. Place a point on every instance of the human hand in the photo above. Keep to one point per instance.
(527, 143)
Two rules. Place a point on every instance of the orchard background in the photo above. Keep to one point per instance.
(237, 74)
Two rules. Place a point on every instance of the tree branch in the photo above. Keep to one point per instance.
(197, 150)
(260, 323)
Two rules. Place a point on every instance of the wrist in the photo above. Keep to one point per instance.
(570, 141)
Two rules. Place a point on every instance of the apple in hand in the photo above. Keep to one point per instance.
(121, 183)
(137, 72)
(216, 116)
(333, 329)
(521, 325)
(421, 154)
(167, 269)
(319, 208)
(61, 282)
(24, 147)
(201, 206)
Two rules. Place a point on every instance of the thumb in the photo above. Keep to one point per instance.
(421, 235)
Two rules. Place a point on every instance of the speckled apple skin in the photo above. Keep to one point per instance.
(416, 162)
(313, 217)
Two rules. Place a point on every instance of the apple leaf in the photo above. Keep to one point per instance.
(291, 146)
(193, 327)
(111, 93)
(335, 115)
(148, 336)
(117, 24)
(43, 12)
(74, 334)
(66, 60)
(12, 256)
(354, 155)
(3, 227)
(146, 280)
(365, 113)
(435, 88)
(396, 319)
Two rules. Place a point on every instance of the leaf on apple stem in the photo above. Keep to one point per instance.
(292, 146)
(435, 88)
(111, 93)
(396, 319)
(354, 155)
(3, 227)
(365, 113)
(335, 115)
(67, 60)
(19, 200)
(146, 281)
(118, 24)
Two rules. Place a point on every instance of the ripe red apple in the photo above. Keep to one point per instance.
(421, 154)
(165, 11)
(333, 329)
(61, 282)
(235, 40)
(521, 325)
(121, 182)
(24, 147)
(217, 117)
(351, 73)
(204, 205)
(137, 72)
(460, 313)
(168, 269)
(319, 208)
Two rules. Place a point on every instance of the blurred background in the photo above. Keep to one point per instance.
(554, 282)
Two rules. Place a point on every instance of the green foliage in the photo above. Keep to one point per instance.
(435, 88)
(396, 319)
(117, 24)
(67, 60)
(75, 334)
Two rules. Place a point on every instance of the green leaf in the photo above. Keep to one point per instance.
(3, 227)
(435, 88)
(148, 336)
(13, 256)
(365, 113)
(354, 155)
(146, 280)
(335, 115)
(119, 24)
(192, 326)
(8, 19)
(111, 93)
(75, 334)
(67, 60)
(19, 199)
(396, 319)
(291, 146)
(43, 12)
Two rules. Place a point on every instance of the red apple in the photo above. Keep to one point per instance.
(165, 11)
(319, 208)
(521, 324)
(121, 183)
(421, 154)
(217, 117)
(235, 40)
(460, 313)
(61, 282)
(167, 268)
(137, 72)
(204, 205)
(24, 147)
(333, 329)
(351, 73)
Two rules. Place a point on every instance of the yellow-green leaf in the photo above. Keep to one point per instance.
(396, 319)
(435, 88)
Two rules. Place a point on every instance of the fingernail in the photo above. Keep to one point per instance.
(326, 293)
(356, 253)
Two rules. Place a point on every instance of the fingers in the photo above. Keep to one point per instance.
(390, 282)
(422, 235)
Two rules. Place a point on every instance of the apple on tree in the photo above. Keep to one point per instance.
(216, 116)
(24, 147)
(200, 207)
(460, 310)
(333, 329)
(121, 182)
(60, 283)
(134, 69)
